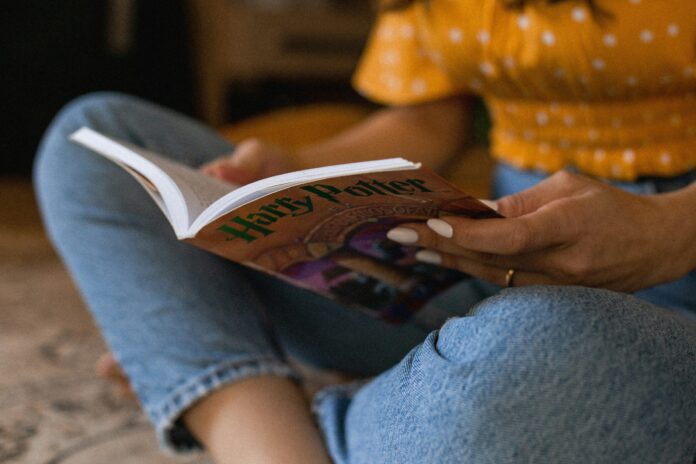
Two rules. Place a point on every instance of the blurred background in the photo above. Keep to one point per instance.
(221, 60)
(224, 61)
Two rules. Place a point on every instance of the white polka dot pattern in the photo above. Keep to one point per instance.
(574, 89)
(418, 86)
(579, 14)
(609, 40)
(647, 35)
(523, 22)
(548, 38)
(483, 36)
(487, 68)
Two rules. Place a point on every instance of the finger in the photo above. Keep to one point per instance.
(419, 234)
(501, 237)
(235, 170)
(510, 236)
(551, 261)
(483, 271)
(234, 176)
(559, 185)
(225, 170)
(243, 166)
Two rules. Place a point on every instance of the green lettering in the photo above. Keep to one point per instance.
(418, 184)
(403, 187)
(286, 202)
(324, 191)
(245, 234)
(306, 204)
(273, 209)
(359, 191)
(262, 218)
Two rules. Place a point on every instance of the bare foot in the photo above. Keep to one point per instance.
(108, 368)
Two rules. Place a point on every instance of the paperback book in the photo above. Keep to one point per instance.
(322, 229)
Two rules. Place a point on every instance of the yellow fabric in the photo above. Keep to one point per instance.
(615, 97)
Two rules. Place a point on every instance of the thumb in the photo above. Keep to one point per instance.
(243, 166)
(248, 157)
(527, 201)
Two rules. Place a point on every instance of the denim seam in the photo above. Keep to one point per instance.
(166, 414)
(318, 408)
(347, 390)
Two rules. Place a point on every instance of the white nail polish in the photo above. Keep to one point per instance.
(440, 227)
(492, 204)
(429, 256)
(403, 235)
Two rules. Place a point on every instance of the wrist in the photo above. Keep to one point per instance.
(678, 212)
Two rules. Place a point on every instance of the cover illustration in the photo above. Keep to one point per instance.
(330, 237)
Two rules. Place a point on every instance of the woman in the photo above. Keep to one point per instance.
(566, 366)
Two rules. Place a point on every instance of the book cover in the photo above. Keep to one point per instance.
(329, 236)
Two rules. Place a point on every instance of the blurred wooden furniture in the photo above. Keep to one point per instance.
(241, 40)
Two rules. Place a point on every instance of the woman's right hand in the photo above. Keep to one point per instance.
(252, 159)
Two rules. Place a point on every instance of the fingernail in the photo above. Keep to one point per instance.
(440, 227)
(403, 235)
(429, 256)
(492, 204)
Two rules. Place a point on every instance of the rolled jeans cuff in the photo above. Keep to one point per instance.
(172, 434)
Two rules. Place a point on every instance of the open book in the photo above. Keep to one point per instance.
(323, 229)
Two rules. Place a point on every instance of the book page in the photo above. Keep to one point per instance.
(199, 190)
(179, 190)
(150, 188)
(191, 199)
(269, 185)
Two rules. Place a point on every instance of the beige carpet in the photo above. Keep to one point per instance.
(52, 407)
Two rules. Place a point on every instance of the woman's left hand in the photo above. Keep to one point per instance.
(568, 229)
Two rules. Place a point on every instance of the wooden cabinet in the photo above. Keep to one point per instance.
(242, 41)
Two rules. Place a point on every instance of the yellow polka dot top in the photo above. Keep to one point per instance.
(614, 97)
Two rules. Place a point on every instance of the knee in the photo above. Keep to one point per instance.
(99, 110)
(94, 108)
(61, 168)
(545, 374)
(560, 340)
(543, 365)
(546, 323)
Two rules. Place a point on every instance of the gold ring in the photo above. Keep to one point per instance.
(509, 277)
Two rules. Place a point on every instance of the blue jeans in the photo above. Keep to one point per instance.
(544, 374)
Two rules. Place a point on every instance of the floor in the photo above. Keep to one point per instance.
(53, 410)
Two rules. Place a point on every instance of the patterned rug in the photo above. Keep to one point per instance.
(53, 410)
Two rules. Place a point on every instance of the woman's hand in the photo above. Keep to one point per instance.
(251, 160)
(568, 229)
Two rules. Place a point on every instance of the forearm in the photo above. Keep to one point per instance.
(430, 133)
(262, 419)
